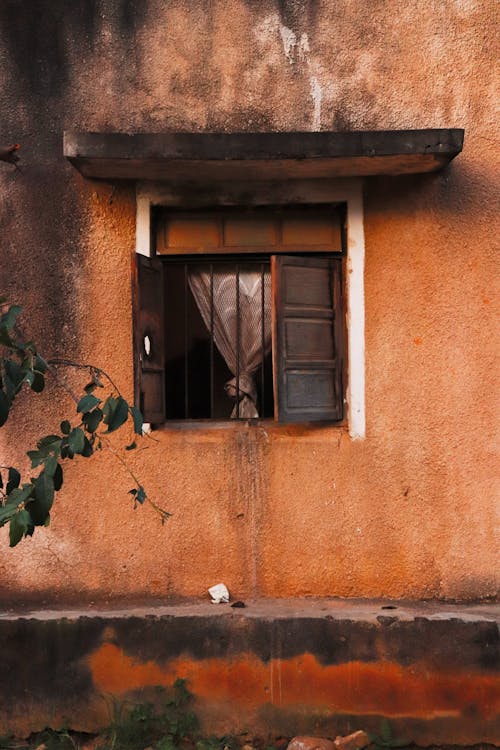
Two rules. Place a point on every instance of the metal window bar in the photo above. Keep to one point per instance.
(263, 341)
(186, 350)
(237, 341)
(212, 384)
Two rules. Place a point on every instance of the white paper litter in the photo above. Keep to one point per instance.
(219, 594)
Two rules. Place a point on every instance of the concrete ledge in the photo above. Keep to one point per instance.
(274, 667)
(257, 156)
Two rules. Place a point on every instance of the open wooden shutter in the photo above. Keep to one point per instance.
(150, 340)
(307, 338)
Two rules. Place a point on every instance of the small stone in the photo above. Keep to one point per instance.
(310, 743)
(355, 741)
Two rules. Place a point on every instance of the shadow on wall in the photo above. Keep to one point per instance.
(38, 41)
(461, 188)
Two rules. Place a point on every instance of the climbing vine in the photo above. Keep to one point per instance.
(101, 409)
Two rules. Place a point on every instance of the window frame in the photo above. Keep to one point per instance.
(347, 191)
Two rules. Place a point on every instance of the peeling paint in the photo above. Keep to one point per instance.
(316, 96)
(297, 52)
(289, 41)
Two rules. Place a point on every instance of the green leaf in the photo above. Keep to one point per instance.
(20, 494)
(76, 440)
(94, 383)
(58, 478)
(13, 480)
(50, 466)
(9, 318)
(87, 403)
(131, 447)
(65, 427)
(87, 448)
(49, 441)
(5, 339)
(109, 408)
(138, 420)
(14, 377)
(115, 412)
(6, 513)
(120, 415)
(19, 525)
(44, 497)
(65, 451)
(141, 495)
(38, 383)
(4, 408)
(40, 364)
(92, 419)
(36, 458)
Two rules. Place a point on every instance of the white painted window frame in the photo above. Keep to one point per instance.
(349, 191)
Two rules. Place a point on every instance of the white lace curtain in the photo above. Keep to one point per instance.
(253, 347)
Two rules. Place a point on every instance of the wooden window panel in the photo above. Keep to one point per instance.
(229, 232)
(149, 340)
(311, 231)
(193, 234)
(250, 232)
(307, 338)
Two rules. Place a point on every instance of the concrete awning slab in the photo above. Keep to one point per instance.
(197, 157)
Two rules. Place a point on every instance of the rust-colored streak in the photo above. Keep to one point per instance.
(382, 687)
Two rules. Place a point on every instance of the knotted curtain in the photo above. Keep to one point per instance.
(253, 346)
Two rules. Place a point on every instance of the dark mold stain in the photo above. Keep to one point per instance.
(36, 38)
(297, 14)
(132, 14)
(41, 654)
(440, 644)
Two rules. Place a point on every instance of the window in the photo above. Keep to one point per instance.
(240, 315)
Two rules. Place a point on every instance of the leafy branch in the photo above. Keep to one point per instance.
(26, 505)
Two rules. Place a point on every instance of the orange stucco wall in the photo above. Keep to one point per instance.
(408, 512)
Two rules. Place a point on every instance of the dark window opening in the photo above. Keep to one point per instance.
(217, 313)
(240, 315)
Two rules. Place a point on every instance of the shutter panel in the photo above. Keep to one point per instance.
(307, 338)
(150, 340)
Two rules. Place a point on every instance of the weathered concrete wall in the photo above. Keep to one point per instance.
(411, 510)
(275, 668)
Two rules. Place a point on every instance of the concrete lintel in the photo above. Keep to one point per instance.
(254, 156)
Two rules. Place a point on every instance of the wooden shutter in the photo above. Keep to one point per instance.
(307, 338)
(149, 340)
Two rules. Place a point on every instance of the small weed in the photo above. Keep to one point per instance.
(162, 725)
(386, 739)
